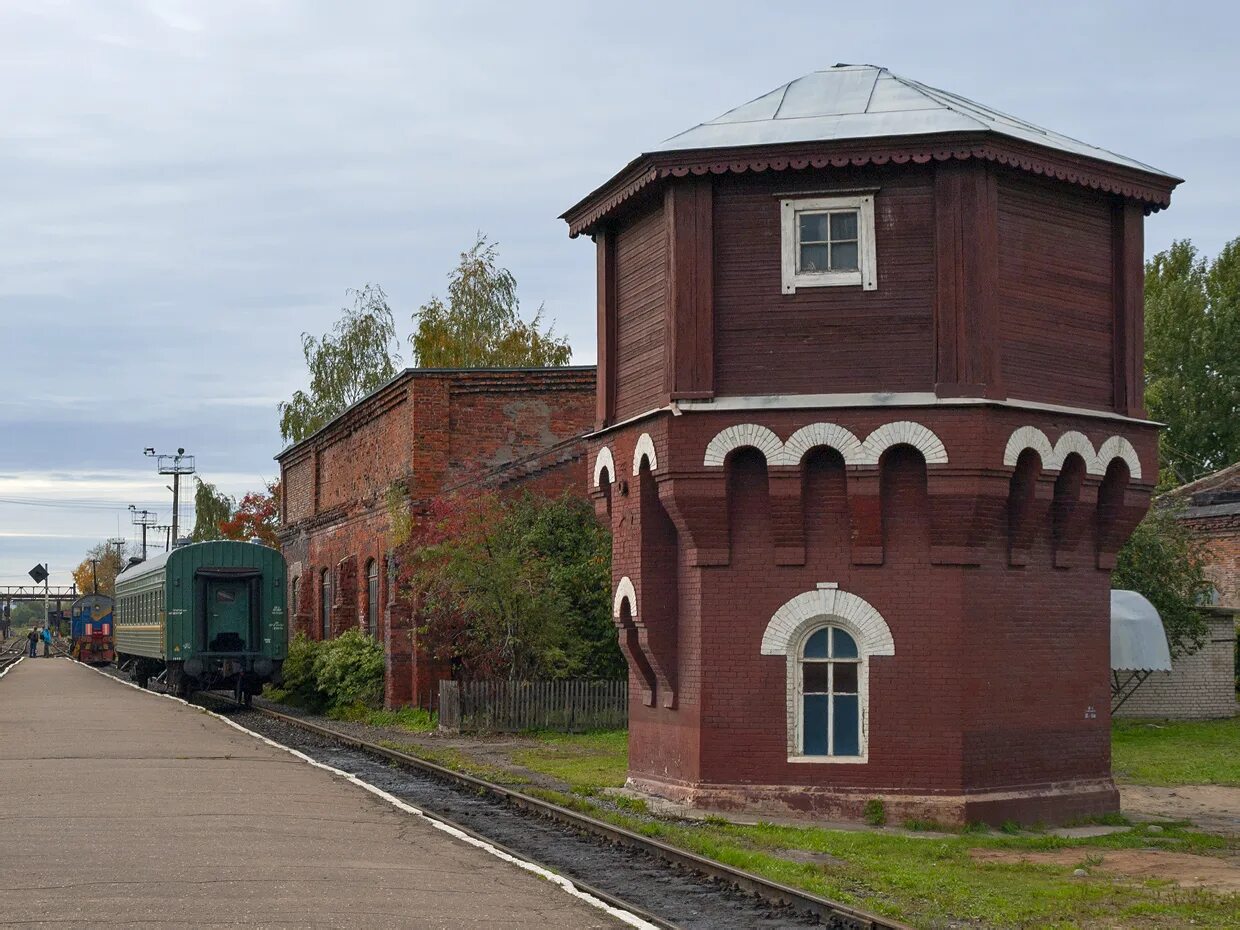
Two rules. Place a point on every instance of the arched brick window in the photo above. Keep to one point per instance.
(292, 596)
(325, 604)
(830, 688)
(372, 598)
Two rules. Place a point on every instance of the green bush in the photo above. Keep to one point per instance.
(341, 672)
(349, 670)
(300, 684)
(875, 812)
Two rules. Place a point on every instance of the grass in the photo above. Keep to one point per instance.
(1171, 753)
(929, 881)
(413, 719)
(585, 761)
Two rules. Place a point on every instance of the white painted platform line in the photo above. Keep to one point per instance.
(563, 883)
(19, 661)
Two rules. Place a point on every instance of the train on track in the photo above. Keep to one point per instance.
(207, 616)
(91, 638)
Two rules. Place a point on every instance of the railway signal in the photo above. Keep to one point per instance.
(175, 465)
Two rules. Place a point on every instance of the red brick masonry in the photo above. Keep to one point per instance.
(424, 433)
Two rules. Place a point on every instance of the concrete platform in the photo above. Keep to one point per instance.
(123, 808)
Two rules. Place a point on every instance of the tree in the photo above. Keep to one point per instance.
(211, 508)
(514, 588)
(1192, 358)
(480, 326)
(1164, 561)
(359, 355)
(256, 517)
(109, 561)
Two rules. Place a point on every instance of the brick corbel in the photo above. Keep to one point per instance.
(1072, 518)
(865, 513)
(698, 506)
(1032, 518)
(785, 490)
(1116, 522)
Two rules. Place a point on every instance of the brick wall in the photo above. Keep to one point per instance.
(1198, 687)
(425, 433)
(996, 697)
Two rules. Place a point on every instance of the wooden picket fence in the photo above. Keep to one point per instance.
(510, 706)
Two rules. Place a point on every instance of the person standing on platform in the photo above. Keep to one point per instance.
(47, 641)
(33, 637)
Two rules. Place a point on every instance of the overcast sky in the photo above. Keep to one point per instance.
(187, 186)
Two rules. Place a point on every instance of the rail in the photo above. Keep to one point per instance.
(832, 913)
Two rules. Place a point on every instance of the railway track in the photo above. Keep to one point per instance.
(752, 901)
(12, 652)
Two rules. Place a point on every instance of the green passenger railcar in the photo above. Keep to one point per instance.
(208, 615)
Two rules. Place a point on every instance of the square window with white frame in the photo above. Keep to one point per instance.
(828, 242)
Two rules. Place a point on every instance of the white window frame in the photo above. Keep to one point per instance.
(796, 696)
(866, 275)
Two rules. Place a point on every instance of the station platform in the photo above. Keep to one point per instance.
(124, 808)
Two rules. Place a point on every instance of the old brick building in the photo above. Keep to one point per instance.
(1202, 685)
(424, 433)
(869, 434)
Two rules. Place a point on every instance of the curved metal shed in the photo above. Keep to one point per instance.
(1138, 641)
(1138, 644)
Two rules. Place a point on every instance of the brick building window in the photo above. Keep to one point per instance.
(372, 598)
(830, 688)
(325, 604)
(292, 607)
(828, 242)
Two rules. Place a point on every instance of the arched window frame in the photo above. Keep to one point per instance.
(831, 662)
(790, 628)
(372, 598)
(325, 604)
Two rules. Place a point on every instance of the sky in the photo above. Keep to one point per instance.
(186, 187)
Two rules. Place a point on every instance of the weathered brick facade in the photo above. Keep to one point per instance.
(1202, 685)
(424, 433)
(933, 458)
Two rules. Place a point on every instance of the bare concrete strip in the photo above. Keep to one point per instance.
(127, 810)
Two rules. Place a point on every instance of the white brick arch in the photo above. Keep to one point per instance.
(604, 462)
(741, 436)
(1117, 447)
(1071, 442)
(786, 635)
(831, 435)
(1028, 437)
(791, 622)
(644, 450)
(904, 432)
(624, 592)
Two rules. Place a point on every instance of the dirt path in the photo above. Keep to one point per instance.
(1212, 808)
(1187, 871)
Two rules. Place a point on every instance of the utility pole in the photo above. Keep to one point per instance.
(94, 576)
(175, 465)
(166, 529)
(145, 519)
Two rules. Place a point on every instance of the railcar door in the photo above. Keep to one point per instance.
(228, 615)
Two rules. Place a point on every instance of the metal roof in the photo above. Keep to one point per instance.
(863, 102)
(1138, 641)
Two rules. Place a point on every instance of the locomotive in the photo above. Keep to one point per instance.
(90, 629)
(205, 616)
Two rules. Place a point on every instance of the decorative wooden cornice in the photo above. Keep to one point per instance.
(1151, 189)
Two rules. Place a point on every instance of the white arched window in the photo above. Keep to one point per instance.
(828, 638)
(830, 688)
(372, 598)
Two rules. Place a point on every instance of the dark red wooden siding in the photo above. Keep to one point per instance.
(833, 339)
(1055, 294)
(641, 273)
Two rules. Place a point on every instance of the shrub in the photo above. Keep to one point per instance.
(300, 684)
(875, 812)
(349, 670)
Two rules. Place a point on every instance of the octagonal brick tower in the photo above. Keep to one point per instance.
(870, 432)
